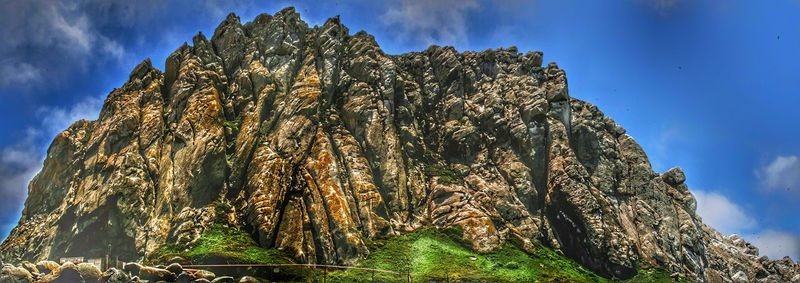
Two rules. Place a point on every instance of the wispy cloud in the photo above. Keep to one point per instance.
(18, 164)
(721, 213)
(21, 161)
(74, 29)
(430, 22)
(47, 39)
(776, 244)
(18, 73)
(780, 174)
(62, 38)
(56, 119)
(665, 4)
(728, 217)
(662, 7)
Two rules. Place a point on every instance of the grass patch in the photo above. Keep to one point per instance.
(648, 273)
(446, 174)
(428, 255)
(231, 131)
(432, 255)
(439, 256)
(221, 244)
(233, 124)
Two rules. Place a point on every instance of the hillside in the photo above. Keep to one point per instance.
(318, 144)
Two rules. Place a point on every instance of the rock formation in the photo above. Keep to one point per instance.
(317, 141)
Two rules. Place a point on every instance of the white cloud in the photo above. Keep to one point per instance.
(18, 164)
(56, 119)
(52, 120)
(727, 217)
(21, 161)
(430, 22)
(719, 212)
(18, 73)
(776, 244)
(48, 39)
(19, 154)
(75, 30)
(783, 173)
(114, 49)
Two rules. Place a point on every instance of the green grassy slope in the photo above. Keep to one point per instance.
(428, 255)
(221, 244)
(432, 255)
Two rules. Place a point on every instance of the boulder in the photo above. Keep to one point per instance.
(313, 132)
(132, 268)
(178, 260)
(739, 277)
(68, 272)
(46, 266)
(149, 273)
(175, 268)
(113, 275)
(674, 176)
(223, 279)
(184, 278)
(200, 274)
(30, 267)
(14, 274)
(89, 272)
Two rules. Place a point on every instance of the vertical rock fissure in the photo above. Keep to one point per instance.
(337, 143)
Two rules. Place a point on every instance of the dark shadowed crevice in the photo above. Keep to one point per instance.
(102, 233)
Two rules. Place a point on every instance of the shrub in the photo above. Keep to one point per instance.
(221, 244)
(445, 174)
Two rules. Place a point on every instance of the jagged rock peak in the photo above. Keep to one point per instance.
(316, 142)
(141, 69)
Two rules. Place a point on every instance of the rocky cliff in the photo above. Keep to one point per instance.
(315, 141)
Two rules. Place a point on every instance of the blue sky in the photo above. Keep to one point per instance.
(711, 86)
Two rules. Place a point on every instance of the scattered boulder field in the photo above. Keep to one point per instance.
(315, 142)
(49, 271)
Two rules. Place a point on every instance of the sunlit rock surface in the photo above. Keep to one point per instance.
(319, 142)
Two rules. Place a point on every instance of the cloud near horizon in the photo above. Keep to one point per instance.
(728, 218)
(721, 213)
(776, 244)
(781, 174)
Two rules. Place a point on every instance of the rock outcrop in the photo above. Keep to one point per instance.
(315, 141)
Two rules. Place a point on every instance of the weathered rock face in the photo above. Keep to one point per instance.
(317, 141)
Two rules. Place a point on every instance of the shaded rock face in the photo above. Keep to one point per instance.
(319, 141)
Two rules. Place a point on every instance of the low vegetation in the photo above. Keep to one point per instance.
(647, 273)
(221, 244)
(425, 255)
(233, 125)
(431, 255)
(445, 174)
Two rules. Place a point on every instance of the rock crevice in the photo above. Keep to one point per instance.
(321, 142)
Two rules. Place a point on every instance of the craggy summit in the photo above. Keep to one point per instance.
(315, 141)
